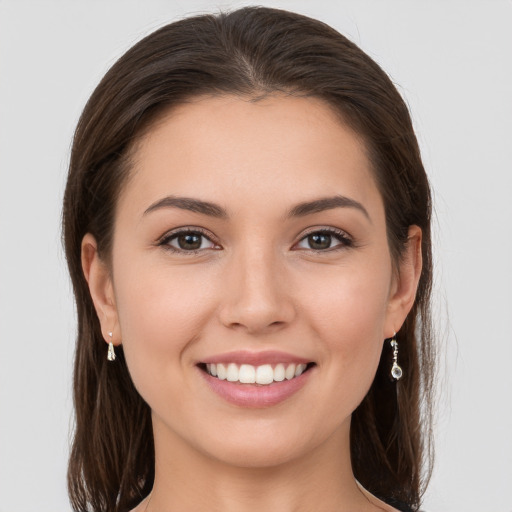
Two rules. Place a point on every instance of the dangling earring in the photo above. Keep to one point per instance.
(396, 371)
(111, 355)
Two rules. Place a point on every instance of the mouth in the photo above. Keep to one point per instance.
(256, 379)
(261, 375)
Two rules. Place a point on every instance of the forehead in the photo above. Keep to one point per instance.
(237, 148)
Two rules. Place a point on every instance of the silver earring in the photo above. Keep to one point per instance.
(111, 355)
(396, 371)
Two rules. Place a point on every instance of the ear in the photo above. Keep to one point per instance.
(405, 283)
(98, 277)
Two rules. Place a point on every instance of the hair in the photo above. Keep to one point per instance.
(250, 52)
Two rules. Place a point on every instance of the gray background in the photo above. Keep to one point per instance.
(452, 62)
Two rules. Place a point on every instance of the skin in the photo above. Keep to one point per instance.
(257, 285)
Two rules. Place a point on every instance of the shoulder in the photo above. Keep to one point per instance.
(387, 507)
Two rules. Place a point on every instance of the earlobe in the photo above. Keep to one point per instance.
(408, 276)
(98, 277)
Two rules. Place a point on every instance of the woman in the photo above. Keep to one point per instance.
(247, 227)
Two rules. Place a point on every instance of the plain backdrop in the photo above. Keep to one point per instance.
(451, 60)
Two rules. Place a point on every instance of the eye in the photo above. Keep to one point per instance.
(325, 239)
(187, 241)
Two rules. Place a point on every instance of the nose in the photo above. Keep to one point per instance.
(257, 298)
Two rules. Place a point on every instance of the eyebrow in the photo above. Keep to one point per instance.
(299, 210)
(326, 203)
(187, 203)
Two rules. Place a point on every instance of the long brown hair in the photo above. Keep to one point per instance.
(252, 52)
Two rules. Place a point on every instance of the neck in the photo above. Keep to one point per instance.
(188, 479)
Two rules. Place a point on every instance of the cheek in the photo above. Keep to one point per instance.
(348, 315)
(160, 314)
(350, 301)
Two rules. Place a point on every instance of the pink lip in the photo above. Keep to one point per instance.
(255, 395)
(256, 358)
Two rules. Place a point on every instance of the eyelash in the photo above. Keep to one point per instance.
(164, 241)
(341, 236)
(346, 241)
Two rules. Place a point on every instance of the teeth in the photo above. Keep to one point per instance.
(221, 371)
(300, 369)
(264, 374)
(279, 372)
(248, 374)
(290, 372)
(232, 372)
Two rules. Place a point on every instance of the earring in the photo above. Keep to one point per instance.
(396, 371)
(111, 355)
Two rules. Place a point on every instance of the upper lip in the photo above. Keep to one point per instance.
(256, 358)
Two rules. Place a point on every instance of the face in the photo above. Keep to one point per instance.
(250, 242)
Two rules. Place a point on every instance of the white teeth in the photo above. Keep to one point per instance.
(221, 371)
(279, 372)
(290, 372)
(300, 369)
(232, 372)
(248, 374)
(264, 374)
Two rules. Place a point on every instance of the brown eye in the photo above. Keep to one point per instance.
(189, 241)
(326, 240)
(319, 241)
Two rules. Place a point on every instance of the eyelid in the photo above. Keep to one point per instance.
(163, 241)
(346, 240)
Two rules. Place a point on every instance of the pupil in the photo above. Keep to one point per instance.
(189, 241)
(320, 241)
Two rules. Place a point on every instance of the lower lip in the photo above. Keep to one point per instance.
(254, 395)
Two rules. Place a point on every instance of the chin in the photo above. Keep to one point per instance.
(263, 444)
(261, 456)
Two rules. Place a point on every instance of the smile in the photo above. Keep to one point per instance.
(248, 374)
(256, 380)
